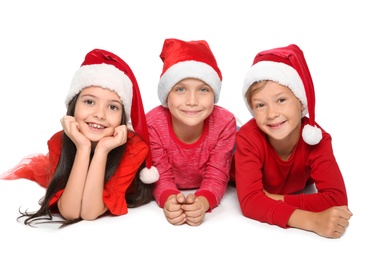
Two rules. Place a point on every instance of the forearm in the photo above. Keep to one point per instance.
(69, 204)
(92, 205)
(302, 219)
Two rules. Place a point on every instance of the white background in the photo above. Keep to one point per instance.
(44, 42)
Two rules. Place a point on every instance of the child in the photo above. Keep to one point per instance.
(281, 151)
(191, 137)
(93, 164)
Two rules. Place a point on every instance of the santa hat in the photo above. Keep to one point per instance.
(287, 66)
(192, 59)
(107, 70)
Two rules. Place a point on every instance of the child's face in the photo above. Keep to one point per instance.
(190, 102)
(98, 112)
(277, 112)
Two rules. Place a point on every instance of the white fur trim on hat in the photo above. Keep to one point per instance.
(188, 69)
(148, 176)
(280, 73)
(105, 76)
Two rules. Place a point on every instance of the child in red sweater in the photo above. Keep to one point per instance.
(191, 137)
(281, 151)
(94, 164)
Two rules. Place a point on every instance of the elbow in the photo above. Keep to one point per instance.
(92, 214)
(89, 216)
(69, 215)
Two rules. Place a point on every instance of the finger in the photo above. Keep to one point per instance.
(194, 221)
(177, 221)
(175, 218)
(190, 198)
(343, 222)
(121, 134)
(180, 198)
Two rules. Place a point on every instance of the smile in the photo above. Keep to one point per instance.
(96, 126)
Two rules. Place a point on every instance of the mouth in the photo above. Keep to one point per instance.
(96, 126)
(276, 125)
(187, 112)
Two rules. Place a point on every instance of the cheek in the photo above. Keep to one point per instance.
(173, 102)
(259, 120)
(116, 119)
(208, 102)
(80, 114)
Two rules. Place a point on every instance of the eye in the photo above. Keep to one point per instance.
(281, 100)
(205, 90)
(113, 107)
(179, 89)
(89, 102)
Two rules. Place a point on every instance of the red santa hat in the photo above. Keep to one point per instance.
(287, 66)
(192, 59)
(107, 70)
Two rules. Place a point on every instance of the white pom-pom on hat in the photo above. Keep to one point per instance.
(311, 134)
(150, 175)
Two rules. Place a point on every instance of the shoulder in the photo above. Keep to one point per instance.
(135, 139)
(219, 111)
(157, 113)
(55, 142)
(250, 128)
(221, 116)
(135, 142)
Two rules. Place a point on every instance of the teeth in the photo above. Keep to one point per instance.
(96, 126)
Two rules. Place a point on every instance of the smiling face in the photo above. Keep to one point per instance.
(277, 111)
(98, 112)
(190, 102)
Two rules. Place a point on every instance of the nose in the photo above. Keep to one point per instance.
(192, 99)
(272, 112)
(99, 113)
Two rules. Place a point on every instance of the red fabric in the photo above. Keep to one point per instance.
(257, 167)
(39, 168)
(34, 167)
(175, 51)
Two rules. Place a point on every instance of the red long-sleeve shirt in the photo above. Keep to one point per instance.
(257, 166)
(203, 165)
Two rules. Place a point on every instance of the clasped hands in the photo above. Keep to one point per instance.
(190, 209)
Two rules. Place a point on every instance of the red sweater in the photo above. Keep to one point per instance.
(203, 165)
(257, 166)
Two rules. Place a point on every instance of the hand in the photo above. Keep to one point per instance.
(332, 222)
(274, 196)
(71, 128)
(173, 209)
(195, 209)
(118, 138)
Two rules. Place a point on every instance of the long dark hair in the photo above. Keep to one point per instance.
(137, 194)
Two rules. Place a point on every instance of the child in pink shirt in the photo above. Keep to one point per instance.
(191, 138)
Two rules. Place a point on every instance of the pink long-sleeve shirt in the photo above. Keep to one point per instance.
(257, 166)
(203, 165)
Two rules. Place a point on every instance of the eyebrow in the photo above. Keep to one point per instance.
(93, 96)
